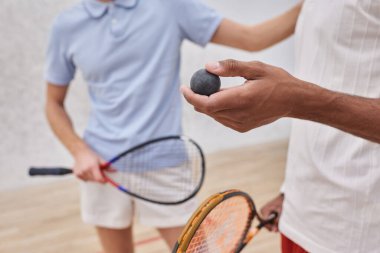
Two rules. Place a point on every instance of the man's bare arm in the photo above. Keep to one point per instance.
(260, 36)
(59, 120)
(359, 116)
(271, 93)
(86, 162)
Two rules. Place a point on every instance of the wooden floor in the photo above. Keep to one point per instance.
(45, 219)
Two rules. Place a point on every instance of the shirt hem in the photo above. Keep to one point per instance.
(301, 240)
(211, 31)
(58, 81)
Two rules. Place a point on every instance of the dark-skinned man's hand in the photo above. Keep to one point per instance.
(275, 205)
(265, 96)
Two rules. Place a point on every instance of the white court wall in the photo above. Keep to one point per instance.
(25, 136)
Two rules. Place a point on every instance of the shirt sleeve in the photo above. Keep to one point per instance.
(59, 67)
(197, 21)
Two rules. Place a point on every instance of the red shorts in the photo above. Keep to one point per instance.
(288, 246)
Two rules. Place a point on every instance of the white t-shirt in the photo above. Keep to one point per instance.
(332, 183)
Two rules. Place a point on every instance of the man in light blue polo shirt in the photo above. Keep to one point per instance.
(128, 52)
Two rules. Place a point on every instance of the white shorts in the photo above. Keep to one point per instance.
(106, 206)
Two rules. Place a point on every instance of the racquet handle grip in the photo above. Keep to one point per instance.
(49, 171)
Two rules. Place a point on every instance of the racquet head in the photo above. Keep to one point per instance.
(168, 170)
(220, 225)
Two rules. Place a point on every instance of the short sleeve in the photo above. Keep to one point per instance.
(197, 21)
(59, 67)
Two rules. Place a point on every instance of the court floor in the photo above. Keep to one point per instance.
(45, 218)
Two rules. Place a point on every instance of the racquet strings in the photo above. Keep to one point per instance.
(166, 171)
(223, 228)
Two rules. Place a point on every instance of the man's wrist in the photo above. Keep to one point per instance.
(77, 147)
(309, 101)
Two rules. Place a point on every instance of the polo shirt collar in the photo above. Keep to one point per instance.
(97, 9)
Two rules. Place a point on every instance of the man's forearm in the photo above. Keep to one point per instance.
(274, 30)
(356, 115)
(63, 128)
(257, 37)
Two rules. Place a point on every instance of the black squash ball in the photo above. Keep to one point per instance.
(204, 83)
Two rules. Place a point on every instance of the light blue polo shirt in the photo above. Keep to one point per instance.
(128, 52)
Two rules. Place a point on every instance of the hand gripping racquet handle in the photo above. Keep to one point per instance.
(270, 220)
(49, 171)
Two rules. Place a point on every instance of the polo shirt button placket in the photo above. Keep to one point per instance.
(119, 17)
(114, 21)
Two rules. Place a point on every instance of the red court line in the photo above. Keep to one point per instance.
(148, 240)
